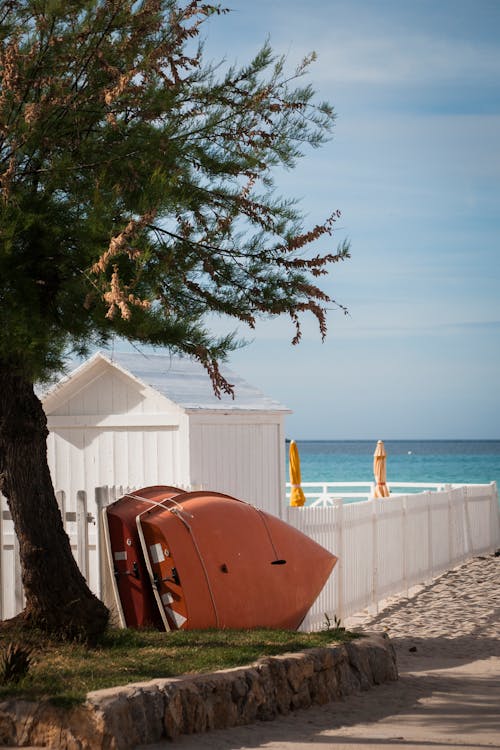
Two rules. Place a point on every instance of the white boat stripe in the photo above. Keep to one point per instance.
(156, 553)
(176, 616)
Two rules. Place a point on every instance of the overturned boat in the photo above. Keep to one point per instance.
(206, 560)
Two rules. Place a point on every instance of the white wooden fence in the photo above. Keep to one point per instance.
(81, 523)
(326, 493)
(385, 546)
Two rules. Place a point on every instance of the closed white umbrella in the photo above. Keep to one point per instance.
(380, 470)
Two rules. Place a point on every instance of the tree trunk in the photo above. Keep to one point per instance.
(58, 599)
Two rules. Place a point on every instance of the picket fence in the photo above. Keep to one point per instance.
(388, 546)
(385, 546)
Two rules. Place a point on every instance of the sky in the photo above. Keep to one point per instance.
(414, 167)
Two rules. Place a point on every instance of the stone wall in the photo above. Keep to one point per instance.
(124, 717)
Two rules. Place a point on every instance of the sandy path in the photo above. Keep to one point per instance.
(447, 638)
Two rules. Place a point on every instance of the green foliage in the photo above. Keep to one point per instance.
(15, 663)
(137, 186)
(334, 627)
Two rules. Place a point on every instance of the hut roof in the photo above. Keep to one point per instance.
(183, 381)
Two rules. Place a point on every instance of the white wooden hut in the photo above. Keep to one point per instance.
(137, 420)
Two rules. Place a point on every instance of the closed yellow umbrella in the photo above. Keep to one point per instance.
(297, 497)
(380, 471)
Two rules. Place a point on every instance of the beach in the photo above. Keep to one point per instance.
(447, 640)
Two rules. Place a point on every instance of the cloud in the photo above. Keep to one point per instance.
(387, 43)
(402, 60)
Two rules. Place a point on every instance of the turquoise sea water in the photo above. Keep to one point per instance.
(450, 461)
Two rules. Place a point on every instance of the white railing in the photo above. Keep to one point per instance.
(324, 494)
(389, 545)
(385, 546)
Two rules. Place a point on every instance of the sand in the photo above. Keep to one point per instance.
(447, 639)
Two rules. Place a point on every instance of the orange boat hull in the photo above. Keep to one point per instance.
(217, 562)
(135, 602)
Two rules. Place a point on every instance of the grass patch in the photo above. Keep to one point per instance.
(66, 672)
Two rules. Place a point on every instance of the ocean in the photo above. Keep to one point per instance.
(450, 461)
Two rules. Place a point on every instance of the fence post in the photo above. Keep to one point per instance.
(373, 606)
(468, 544)
(82, 533)
(494, 518)
(61, 502)
(450, 528)
(404, 534)
(18, 583)
(101, 500)
(338, 505)
(430, 559)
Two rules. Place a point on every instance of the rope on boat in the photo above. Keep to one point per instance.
(159, 503)
(277, 560)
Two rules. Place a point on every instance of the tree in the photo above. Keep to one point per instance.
(137, 196)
